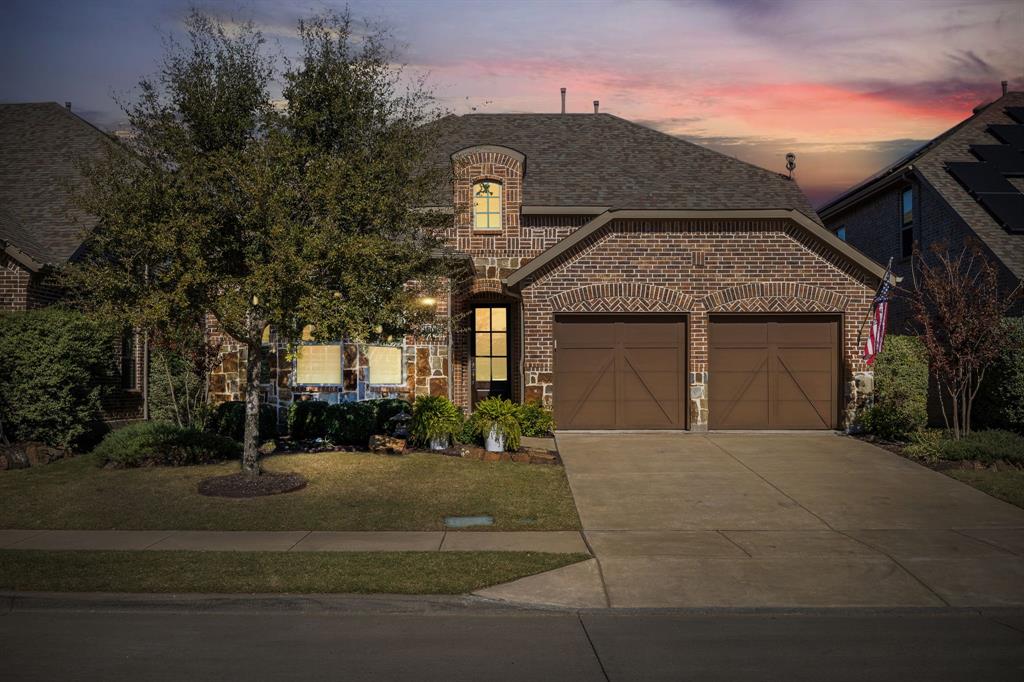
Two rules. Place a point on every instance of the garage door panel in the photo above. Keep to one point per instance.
(748, 414)
(740, 334)
(800, 414)
(739, 359)
(642, 335)
(586, 360)
(639, 415)
(576, 386)
(802, 334)
(653, 360)
(660, 386)
(584, 335)
(805, 385)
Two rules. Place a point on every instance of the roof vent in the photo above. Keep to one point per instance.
(67, 105)
(597, 103)
(1006, 86)
(563, 100)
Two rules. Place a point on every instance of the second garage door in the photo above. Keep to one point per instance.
(773, 373)
(625, 372)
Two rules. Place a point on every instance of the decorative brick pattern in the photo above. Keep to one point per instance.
(612, 296)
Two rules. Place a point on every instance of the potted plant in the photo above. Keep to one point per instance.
(435, 421)
(499, 423)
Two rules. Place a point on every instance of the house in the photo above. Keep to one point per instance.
(41, 228)
(627, 278)
(966, 184)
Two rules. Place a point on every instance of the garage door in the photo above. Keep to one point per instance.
(620, 372)
(773, 373)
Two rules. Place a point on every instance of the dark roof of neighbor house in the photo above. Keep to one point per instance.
(40, 144)
(601, 160)
(931, 162)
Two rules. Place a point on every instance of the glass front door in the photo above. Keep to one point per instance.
(490, 353)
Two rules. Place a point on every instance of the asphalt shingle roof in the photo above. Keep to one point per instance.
(39, 148)
(604, 160)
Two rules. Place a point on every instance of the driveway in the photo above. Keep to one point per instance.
(777, 520)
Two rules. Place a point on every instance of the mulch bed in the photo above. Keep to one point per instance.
(242, 485)
(897, 448)
(522, 455)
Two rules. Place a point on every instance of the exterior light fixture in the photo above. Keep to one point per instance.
(428, 301)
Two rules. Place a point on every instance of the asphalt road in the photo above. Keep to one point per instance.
(461, 640)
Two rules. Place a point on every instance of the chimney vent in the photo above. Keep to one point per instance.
(67, 105)
(563, 100)
(597, 103)
(1005, 85)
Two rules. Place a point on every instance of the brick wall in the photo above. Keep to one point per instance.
(14, 281)
(698, 268)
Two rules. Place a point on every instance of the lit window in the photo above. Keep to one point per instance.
(907, 202)
(487, 205)
(841, 233)
(318, 365)
(385, 364)
(490, 340)
(907, 231)
(265, 338)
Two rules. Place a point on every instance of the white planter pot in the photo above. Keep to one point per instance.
(495, 441)
(438, 443)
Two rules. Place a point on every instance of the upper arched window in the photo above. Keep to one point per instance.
(487, 205)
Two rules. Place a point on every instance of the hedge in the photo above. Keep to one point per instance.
(228, 420)
(348, 423)
(56, 366)
(1000, 401)
(988, 447)
(900, 401)
(160, 443)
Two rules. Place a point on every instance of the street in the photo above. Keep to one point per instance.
(462, 639)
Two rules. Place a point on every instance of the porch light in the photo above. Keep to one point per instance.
(428, 301)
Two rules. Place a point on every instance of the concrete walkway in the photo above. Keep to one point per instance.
(295, 541)
(775, 520)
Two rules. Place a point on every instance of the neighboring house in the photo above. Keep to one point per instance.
(40, 228)
(966, 183)
(623, 276)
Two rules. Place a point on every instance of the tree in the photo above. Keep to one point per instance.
(958, 308)
(267, 213)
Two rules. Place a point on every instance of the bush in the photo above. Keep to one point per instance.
(900, 402)
(535, 420)
(306, 419)
(349, 423)
(978, 446)
(228, 420)
(56, 366)
(434, 417)
(1000, 401)
(500, 414)
(163, 444)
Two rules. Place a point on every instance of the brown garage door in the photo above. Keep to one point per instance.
(620, 372)
(773, 373)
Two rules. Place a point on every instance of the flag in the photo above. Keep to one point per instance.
(879, 317)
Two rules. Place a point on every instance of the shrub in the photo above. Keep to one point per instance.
(56, 366)
(535, 420)
(306, 419)
(1000, 401)
(229, 420)
(434, 417)
(348, 423)
(159, 443)
(502, 415)
(980, 446)
(900, 402)
(351, 423)
(386, 409)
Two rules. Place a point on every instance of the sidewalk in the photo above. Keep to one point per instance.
(296, 541)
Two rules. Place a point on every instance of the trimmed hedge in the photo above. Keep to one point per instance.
(1000, 401)
(163, 444)
(56, 366)
(348, 423)
(900, 404)
(535, 420)
(979, 446)
(228, 420)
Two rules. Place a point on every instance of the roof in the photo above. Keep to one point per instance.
(40, 144)
(587, 160)
(931, 163)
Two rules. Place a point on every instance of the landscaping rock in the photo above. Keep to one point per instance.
(543, 457)
(40, 453)
(387, 445)
(268, 448)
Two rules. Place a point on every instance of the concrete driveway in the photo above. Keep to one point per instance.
(776, 520)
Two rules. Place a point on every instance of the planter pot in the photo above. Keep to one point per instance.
(439, 443)
(495, 440)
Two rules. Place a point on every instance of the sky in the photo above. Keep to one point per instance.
(849, 87)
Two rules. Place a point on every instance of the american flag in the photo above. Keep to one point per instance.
(880, 315)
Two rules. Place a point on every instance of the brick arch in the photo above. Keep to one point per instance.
(486, 284)
(775, 297)
(621, 297)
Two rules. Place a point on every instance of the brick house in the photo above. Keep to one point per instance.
(624, 277)
(40, 228)
(967, 183)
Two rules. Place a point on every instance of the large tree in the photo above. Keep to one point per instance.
(291, 212)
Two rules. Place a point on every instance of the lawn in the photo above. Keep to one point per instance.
(1007, 485)
(295, 572)
(346, 491)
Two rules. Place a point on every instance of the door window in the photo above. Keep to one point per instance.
(491, 344)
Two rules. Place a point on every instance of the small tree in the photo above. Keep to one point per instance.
(958, 309)
(267, 213)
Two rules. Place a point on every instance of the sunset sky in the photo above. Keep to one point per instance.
(847, 86)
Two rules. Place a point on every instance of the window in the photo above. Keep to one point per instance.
(128, 361)
(487, 205)
(491, 344)
(907, 231)
(318, 364)
(841, 232)
(385, 364)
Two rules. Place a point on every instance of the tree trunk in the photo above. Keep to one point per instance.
(251, 439)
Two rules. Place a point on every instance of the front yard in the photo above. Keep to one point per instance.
(346, 491)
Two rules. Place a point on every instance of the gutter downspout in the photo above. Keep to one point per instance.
(451, 364)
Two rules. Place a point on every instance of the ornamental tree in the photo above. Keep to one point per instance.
(290, 212)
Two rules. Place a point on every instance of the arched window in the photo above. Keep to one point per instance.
(487, 205)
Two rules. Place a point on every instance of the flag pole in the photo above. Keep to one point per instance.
(860, 332)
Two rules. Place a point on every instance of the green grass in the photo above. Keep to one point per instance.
(1006, 485)
(250, 572)
(346, 491)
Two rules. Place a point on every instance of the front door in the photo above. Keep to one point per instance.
(490, 353)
